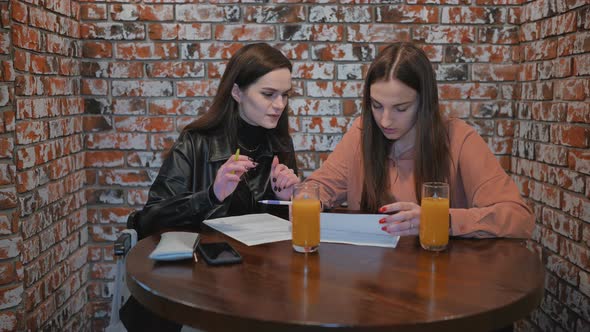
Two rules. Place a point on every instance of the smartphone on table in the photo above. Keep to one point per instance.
(218, 253)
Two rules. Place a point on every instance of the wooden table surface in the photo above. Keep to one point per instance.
(475, 285)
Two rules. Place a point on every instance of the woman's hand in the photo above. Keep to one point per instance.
(404, 218)
(229, 174)
(282, 180)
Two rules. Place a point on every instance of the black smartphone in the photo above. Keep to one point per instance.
(218, 253)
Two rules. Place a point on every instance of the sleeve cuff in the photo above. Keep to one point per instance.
(212, 196)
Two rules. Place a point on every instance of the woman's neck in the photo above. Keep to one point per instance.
(405, 143)
(250, 136)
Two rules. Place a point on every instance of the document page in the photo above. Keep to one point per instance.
(253, 229)
(359, 229)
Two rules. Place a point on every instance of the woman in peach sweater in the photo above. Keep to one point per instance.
(401, 141)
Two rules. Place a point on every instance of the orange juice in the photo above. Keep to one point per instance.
(306, 224)
(434, 223)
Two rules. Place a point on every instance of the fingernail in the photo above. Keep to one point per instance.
(384, 228)
(279, 189)
(274, 179)
(250, 158)
(275, 188)
(382, 209)
(382, 221)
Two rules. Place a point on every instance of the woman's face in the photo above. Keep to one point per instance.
(263, 102)
(394, 106)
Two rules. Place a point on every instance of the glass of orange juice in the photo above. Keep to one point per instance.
(305, 217)
(434, 218)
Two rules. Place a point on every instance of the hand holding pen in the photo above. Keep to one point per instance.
(229, 174)
(282, 179)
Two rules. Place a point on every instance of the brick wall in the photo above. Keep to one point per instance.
(48, 154)
(11, 266)
(550, 153)
(92, 93)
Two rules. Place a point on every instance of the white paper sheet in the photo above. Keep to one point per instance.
(358, 229)
(253, 229)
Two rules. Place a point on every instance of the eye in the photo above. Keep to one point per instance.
(267, 94)
(375, 105)
(401, 109)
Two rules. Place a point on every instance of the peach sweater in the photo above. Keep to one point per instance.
(485, 201)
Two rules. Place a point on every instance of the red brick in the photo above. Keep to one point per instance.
(175, 69)
(473, 15)
(570, 135)
(137, 196)
(176, 31)
(498, 35)
(122, 141)
(573, 89)
(145, 88)
(407, 14)
(129, 12)
(93, 11)
(334, 89)
(149, 51)
(562, 223)
(94, 87)
(26, 37)
(143, 124)
(244, 32)
(97, 49)
(31, 132)
(574, 44)
(342, 52)
(308, 32)
(559, 25)
(467, 91)
(582, 64)
(445, 34)
(11, 296)
(549, 111)
(477, 53)
(209, 51)
(494, 72)
(20, 12)
(104, 159)
(551, 154)
(281, 14)
(576, 253)
(457, 109)
(372, 33)
(201, 88)
(204, 13)
(160, 142)
(579, 161)
(112, 31)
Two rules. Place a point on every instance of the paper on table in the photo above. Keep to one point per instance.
(253, 229)
(359, 229)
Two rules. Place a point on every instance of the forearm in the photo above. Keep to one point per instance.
(506, 219)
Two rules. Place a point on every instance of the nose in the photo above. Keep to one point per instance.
(388, 118)
(279, 102)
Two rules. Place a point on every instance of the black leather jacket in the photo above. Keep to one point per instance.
(182, 194)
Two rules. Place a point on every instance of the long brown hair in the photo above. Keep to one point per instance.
(244, 68)
(410, 65)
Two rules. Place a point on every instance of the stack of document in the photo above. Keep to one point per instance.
(358, 229)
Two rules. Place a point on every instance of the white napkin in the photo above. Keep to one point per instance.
(174, 246)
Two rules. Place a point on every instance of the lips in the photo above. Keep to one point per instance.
(389, 131)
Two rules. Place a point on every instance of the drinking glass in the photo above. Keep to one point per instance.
(305, 217)
(434, 218)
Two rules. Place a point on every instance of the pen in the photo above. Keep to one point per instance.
(274, 202)
(237, 156)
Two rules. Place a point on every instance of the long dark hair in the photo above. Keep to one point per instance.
(410, 65)
(244, 68)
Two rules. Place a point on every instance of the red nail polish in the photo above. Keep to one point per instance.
(383, 228)
(382, 221)
(381, 210)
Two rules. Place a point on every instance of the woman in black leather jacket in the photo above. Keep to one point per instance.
(201, 178)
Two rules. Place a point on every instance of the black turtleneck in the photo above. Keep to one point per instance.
(250, 137)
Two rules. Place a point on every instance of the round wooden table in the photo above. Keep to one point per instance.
(475, 285)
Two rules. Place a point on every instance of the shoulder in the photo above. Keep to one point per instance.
(459, 131)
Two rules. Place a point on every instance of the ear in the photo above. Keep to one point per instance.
(236, 93)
